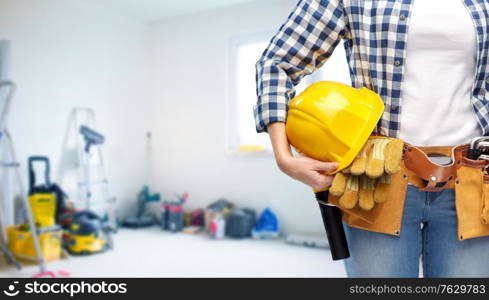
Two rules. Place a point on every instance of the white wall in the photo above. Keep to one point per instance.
(72, 53)
(169, 77)
(189, 70)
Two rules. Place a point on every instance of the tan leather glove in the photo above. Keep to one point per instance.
(349, 198)
(366, 181)
(382, 188)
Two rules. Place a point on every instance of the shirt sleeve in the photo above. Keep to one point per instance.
(302, 45)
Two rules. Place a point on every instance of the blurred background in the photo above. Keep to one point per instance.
(144, 110)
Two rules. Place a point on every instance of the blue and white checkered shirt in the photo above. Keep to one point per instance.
(374, 33)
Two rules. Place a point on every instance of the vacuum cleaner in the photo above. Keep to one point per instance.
(142, 218)
(87, 234)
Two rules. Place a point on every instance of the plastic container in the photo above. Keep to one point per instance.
(217, 227)
(21, 243)
(240, 222)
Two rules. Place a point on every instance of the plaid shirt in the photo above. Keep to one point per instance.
(374, 33)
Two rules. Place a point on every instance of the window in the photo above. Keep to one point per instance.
(244, 53)
(248, 139)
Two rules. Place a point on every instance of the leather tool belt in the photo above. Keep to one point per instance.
(468, 178)
(434, 177)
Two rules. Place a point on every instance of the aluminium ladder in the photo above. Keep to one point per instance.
(9, 163)
(91, 180)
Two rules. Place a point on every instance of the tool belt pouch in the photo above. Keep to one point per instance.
(472, 197)
(466, 176)
(384, 217)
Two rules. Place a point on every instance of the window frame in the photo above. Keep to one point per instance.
(232, 143)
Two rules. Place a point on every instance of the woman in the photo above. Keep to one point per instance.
(428, 62)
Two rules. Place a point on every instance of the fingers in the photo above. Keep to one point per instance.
(339, 184)
(393, 156)
(382, 189)
(366, 194)
(321, 182)
(376, 162)
(350, 198)
(310, 171)
(359, 165)
(326, 166)
(317, 165)
(367, 181)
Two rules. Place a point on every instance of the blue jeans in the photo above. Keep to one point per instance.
(429, 232)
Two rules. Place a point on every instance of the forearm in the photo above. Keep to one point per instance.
(280, 143)
(304, 169)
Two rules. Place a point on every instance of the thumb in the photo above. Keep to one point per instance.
(327, 166)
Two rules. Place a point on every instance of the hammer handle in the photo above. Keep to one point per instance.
(334, 227)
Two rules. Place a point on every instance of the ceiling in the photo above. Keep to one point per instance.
(153, 10)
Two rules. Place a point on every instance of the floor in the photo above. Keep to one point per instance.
(153, 253)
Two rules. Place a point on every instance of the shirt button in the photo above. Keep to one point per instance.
(402, 17)
(397, 63)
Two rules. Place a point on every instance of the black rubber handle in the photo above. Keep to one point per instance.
(32, 174)
(334, 227)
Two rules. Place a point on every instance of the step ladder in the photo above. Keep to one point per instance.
(9, 163)
(92, 182)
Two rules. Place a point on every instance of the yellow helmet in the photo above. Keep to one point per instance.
(331, 121)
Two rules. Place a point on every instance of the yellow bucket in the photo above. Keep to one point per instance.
(21, 244)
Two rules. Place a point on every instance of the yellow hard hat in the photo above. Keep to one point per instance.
(331, 121)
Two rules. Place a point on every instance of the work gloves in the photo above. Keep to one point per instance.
(366, 181)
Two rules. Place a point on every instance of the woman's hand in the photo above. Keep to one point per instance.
(308, 171)
(303, 169)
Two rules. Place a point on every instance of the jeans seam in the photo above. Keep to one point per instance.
(426, 205)
(425, 251)
(420, 248)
